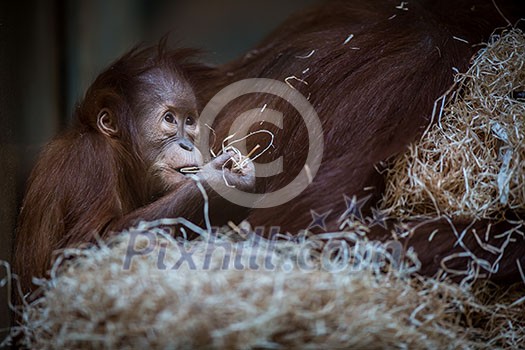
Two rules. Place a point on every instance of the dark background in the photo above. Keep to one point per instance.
(50, 51)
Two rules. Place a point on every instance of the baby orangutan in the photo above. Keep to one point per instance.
(122, 160)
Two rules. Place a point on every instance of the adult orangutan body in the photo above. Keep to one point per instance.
(372, 71)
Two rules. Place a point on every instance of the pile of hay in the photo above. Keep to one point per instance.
(355, 295)
(471, 162)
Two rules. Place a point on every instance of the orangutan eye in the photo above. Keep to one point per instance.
(169, 118)
(190, 121)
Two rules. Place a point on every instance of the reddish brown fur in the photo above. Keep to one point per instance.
(372, 102)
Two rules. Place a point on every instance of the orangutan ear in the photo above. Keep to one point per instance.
(106, 123)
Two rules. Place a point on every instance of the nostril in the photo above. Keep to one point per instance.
(186, 145)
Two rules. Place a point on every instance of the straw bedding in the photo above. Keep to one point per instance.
(326, 291)
(351, 301)
(471, 162)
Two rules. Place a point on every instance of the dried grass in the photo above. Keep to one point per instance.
(471, 162)
(92, 302)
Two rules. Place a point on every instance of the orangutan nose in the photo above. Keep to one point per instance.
(186, 144)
